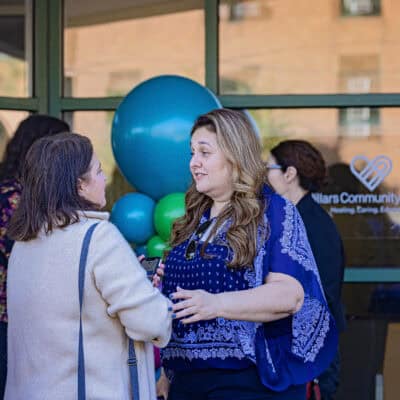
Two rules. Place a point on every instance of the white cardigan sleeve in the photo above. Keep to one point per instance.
(124, 286)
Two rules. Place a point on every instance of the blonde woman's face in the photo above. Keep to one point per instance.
(211, 171)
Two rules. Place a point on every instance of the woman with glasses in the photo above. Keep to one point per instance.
(250, 317)
(295, 170)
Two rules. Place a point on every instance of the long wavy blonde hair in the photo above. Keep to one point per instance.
(241, 147)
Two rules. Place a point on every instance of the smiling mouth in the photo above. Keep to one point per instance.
(198, 175)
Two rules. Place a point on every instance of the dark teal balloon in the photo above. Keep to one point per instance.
(133, 216)
(151, 133)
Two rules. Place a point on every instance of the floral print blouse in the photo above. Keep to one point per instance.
(10, 192)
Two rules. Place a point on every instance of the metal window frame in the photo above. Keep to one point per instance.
(48, 91)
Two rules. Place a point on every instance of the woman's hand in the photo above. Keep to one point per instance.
(194, 305)
(162, 385)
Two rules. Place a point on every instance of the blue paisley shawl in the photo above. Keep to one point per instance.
(299, 348)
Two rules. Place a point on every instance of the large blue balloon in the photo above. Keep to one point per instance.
(133, 216)
(151, 133)
(252, 121)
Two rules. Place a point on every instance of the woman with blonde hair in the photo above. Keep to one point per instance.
(250, 317)
(69, 337)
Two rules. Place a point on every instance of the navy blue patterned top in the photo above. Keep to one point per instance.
(290, 351)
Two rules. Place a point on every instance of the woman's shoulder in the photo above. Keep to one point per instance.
(270, 195)
(275, 204)
(93, 216)
(105, 235)
(104, 227)
(316, 218)
(10, 189)
(104, 230)
(9, 185)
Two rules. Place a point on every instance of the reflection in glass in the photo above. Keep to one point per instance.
(15, 48)
(110, 47)
(316, 47)
(362, 193)
(369, 357)
(97, 126)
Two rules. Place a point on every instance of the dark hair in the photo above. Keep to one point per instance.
(50, 175)
(307, 160)
(29, 130)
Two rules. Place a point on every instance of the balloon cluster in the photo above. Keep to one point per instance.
(151, 145)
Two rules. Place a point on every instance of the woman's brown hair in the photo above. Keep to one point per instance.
(242, 148)
(307, 160)
(50, 175)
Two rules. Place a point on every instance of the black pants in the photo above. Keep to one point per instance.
(214, 384)
(3, 357)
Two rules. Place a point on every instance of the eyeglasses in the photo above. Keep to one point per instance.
(193, 243)
(273, 166)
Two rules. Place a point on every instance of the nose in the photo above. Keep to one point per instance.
(194, 161)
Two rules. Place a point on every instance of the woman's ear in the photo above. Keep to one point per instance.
(290, 174)
(81, 186)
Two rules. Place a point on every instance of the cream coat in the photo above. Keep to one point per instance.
(43, 308)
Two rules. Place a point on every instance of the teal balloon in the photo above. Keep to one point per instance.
(167, 210)
(133, 216)
(156, 247)
(252, 121)
(151, 133)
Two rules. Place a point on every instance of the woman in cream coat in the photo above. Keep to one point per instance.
(61, 179)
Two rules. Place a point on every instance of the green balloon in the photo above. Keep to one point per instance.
(155, 247)
(167, 210)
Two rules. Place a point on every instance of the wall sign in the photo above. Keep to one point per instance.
(371, 175)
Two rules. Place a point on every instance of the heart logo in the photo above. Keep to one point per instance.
(374, 171)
